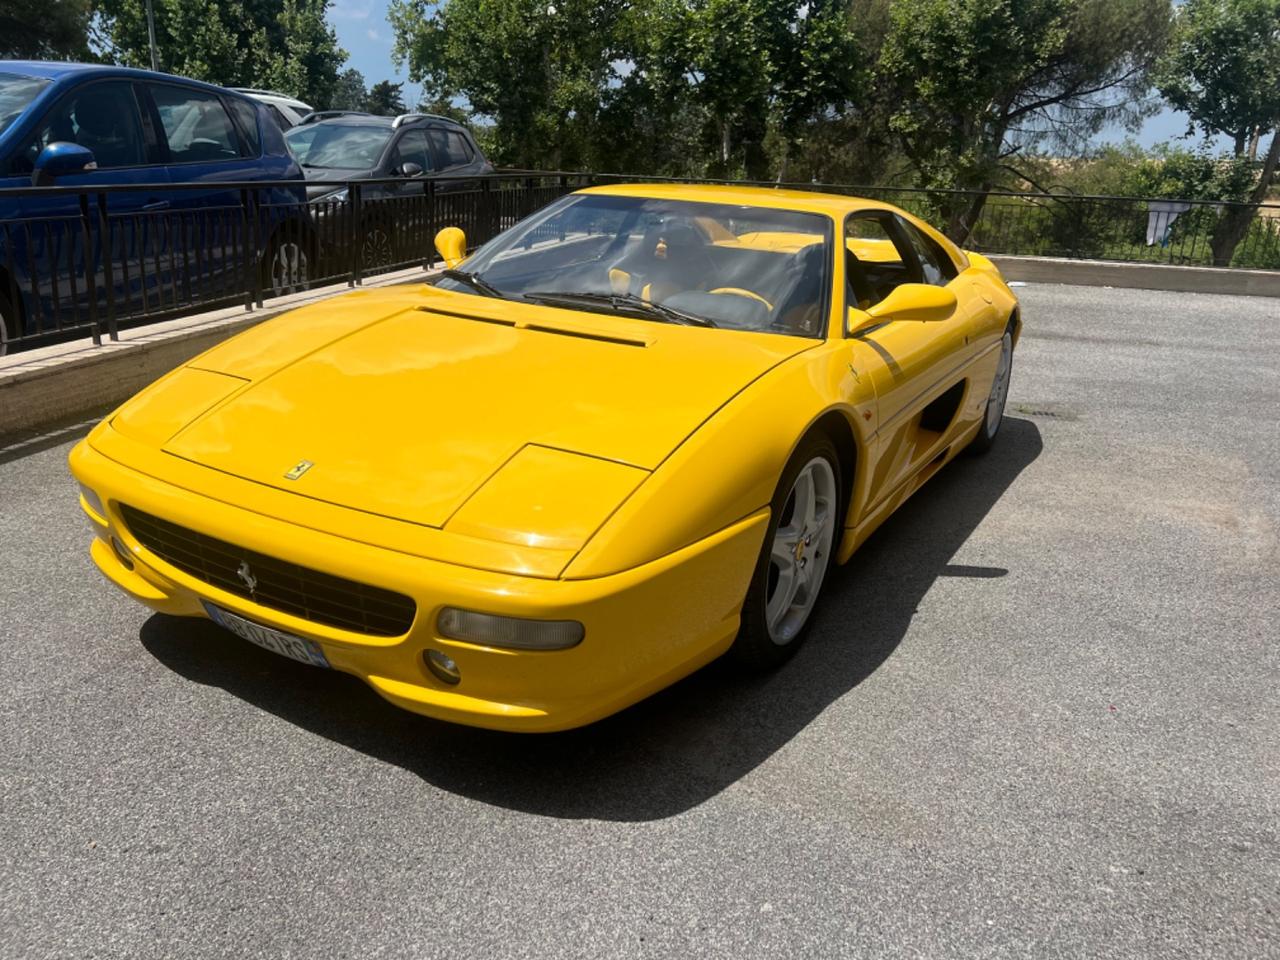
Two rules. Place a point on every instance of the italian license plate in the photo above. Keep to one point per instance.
(277, 641)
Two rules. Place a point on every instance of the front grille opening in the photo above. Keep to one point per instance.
(280, 585)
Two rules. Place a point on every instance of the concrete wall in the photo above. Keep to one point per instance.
(1144, 276)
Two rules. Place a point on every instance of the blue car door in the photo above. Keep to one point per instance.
(48, 247)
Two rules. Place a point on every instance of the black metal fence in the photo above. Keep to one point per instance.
(76, 262)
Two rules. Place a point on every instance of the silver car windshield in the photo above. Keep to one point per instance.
(16, 94)
(727, 265)
(337, 146)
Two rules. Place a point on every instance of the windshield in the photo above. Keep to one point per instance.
(337, 146)
(728, 265)
(16, 94)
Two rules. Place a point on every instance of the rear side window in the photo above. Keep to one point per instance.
(103, 117)
(247, 117)
(936, 266)
(284, 122)
(451, 147)
(196, 125)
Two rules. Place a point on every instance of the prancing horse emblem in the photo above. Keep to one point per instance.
(246, 576)
(301, 467)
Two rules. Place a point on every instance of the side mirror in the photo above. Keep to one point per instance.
(61, 159)
(915, 301)
(452, 245)
(410, 169)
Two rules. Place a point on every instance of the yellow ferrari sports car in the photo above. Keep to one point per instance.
(629, 435)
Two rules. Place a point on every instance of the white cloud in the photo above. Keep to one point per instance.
(371, 34)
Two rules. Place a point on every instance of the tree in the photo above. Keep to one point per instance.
(53, 30)
(746, 64)
(968, 84)
(385, 99)
(1223, 71)
(350, 92)
(280, 44)
(539, 68)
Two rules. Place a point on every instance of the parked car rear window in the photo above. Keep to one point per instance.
(248, 118)
(16, 94)
(451, 146)
(102, 117)
(338, 146)
(195, 124)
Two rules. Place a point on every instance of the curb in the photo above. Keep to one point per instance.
(1142, 276)
(56, 384)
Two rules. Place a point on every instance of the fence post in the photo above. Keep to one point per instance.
(108, 268)
(486, 211)
(90, 275)
(429, 260)
(255, 217)
(357, 245)
(248, 258)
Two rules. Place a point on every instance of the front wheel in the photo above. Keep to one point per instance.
(794, 560)
(994, 414)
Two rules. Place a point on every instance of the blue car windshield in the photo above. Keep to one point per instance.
(338, 146)
(16, 94)
(727, 265)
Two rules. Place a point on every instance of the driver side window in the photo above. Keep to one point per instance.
(875, 259)
(412, 148)
(102, 117)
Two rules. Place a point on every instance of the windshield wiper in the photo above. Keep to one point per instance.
(474, 281)
(621, 303)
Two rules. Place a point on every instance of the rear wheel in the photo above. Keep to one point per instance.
(994, 414)
(8, 324)
(794, 560)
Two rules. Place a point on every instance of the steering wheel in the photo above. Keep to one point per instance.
(738, 291)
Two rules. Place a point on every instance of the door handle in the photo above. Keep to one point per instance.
(156, 205)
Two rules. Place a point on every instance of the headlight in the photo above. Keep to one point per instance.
(94, 503)
(515, 632)
(338, 196)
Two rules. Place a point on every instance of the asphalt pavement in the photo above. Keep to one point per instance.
(1038, 716)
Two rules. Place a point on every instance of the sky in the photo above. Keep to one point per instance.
(364, 33)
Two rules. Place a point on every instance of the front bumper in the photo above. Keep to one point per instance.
(645, 627)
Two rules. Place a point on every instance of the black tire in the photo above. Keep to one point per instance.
(993, 415)
(756, 646)
(8, 324)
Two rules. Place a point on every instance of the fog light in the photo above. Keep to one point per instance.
(442, 666)
(122, 554)
(495, 631)
(94, 503)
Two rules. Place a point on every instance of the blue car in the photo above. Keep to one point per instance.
(124, 242)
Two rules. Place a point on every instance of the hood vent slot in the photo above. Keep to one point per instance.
(585, 335)
(540, 328)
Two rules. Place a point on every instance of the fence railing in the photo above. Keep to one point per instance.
(77, 262)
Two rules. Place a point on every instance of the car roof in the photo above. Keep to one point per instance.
(831, 204)
(52, 70)
(373, 120)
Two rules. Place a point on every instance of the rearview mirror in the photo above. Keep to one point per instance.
(915, 301)
(452, 244)
(61, 159)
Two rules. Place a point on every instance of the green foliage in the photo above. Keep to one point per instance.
(967, 85)
(53, 30)
(350, 92)
(385, 99)
(284, 45)
(1223, 67)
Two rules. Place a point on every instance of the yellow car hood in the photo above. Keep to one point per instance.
(410, 415)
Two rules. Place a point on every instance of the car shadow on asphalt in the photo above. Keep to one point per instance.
(678, 748)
